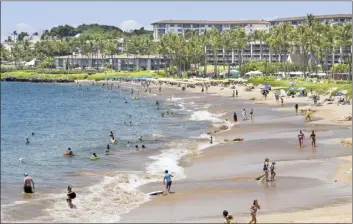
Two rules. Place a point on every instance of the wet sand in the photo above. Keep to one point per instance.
(309, 180)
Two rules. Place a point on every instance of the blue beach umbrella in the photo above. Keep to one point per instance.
(339, 94)
(267, 87)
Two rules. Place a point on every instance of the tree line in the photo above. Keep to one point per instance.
(311, 39)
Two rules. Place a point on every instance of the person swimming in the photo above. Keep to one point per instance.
(27, 141)
(143, 146)
(32, 133)
(94, 155)
(136, 147)
(69, 152)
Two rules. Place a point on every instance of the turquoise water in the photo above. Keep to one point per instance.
(64, 115)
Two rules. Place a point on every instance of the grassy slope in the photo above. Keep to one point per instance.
(98, 76)
(318, 87)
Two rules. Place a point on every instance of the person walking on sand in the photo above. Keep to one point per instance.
(227, 217)
(253, 210)
(243, 113)
(296, 108)
(233, 93)
(251, 113)
(167, 181)
(301, 137)
(211, 140)
(273, 173)
(313, 139)
(282, 101)
(265, 169)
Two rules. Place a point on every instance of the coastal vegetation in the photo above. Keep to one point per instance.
(185, 55)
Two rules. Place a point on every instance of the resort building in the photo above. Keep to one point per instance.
(332, 19)
(122, 62)
(253, 49)
(181, 26)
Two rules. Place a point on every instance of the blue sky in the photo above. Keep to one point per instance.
(37, 16)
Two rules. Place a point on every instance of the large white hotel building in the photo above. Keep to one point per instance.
(252, 51)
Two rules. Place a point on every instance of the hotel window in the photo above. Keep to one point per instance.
(342, 20)
(180, 30)
(195, 25)
(225, 25)
(186, 25)
(250, 25)
(202, 25)
(161, 25)
(171, 25)
(180, 25)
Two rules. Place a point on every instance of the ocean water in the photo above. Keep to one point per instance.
(81, 117)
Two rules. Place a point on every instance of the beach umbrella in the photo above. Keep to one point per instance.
(267, 87)
(301, 88)
(339, 94)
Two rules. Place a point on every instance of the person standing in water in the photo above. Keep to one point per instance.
(235, 117)
(211, 140)
(28, 182)
(265, 169)
(296, 108)
(313, 139)
(236, 93)
(233, 93)
(251, 113)
(27, 141)
(70, 195)
(167, 181)
(253, 210)
(301, 137)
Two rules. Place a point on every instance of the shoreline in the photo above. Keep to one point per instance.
(323, 120)
(208, 153)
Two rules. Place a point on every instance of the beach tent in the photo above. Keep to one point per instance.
(253, 73)
(267, 87)
(321, 74)
(282, 93)
(292, 74)
(234, 74)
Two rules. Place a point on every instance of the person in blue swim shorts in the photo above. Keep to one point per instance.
(167, 178)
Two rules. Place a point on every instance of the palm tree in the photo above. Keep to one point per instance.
(239, 38)
(226, 42)
(14, 33)
(215, 45)
(344, 40)
(285, 33)
(112, 49)
(261, 36)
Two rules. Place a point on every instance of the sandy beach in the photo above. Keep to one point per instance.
(313, 184)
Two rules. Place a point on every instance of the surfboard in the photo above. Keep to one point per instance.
(156, 193)
(94, 158)
(260, 177)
